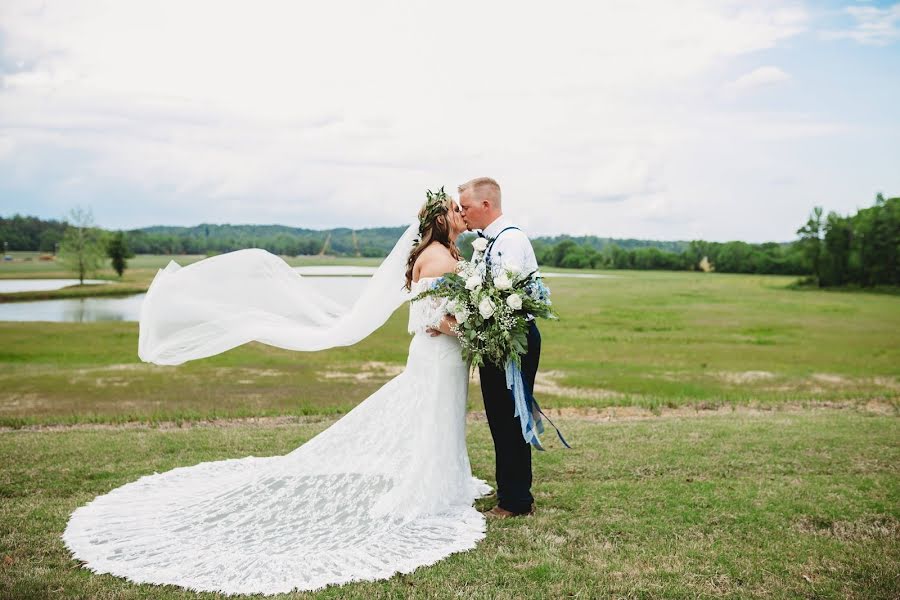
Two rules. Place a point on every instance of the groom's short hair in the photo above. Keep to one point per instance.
(483, 187)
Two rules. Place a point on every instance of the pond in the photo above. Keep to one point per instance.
(341, 284)
(8, 286)
(128, 308)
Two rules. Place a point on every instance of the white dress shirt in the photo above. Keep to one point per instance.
(511, 248)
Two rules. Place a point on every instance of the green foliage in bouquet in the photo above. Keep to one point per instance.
(491, 312)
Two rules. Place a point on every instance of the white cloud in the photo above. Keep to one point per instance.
(873, 26)
(344, 112)
(758, 77)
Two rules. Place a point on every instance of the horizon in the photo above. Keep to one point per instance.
(623, 238)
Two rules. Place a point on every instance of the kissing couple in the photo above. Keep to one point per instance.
(388, 487)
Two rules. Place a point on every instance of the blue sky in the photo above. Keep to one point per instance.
(716, 120)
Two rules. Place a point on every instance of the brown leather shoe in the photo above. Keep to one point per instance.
(502, 513)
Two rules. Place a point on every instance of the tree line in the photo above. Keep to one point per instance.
(860, 249)
(834, 250)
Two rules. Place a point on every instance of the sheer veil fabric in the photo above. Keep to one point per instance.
(224, 301)
(385, 489)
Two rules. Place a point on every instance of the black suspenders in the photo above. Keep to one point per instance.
(487, 251)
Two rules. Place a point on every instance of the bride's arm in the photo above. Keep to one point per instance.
(434, 262)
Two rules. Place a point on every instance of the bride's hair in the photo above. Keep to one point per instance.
(434, 226)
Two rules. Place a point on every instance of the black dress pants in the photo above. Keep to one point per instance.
(513, 453)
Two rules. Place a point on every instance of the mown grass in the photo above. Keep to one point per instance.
(650, 339)
(781, 504)
(776, 505)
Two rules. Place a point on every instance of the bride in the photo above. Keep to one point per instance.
(384, 490)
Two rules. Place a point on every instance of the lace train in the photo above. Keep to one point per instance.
(385, 489)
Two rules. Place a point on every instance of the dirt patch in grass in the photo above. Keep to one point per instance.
(118, 375)
(829, 378)
(369, 371)
(610, 413)
(867, 528)
(17, 402)
(744, 376)
(546, 382)
(886, 382)
(137, 366)
(276, 421)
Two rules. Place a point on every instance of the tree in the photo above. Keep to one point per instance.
(117, 250)
(81, 249)
(811, 241)
(838, 246)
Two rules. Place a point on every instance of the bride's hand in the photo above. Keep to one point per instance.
(445, 327)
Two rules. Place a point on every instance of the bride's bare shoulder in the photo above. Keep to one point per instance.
(434, 261)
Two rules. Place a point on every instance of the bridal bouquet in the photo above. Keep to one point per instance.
(491, 310)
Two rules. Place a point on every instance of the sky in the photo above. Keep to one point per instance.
(695, 119)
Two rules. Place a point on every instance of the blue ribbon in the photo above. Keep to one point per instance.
(527, 408)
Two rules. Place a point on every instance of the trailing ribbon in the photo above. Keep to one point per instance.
(527, 408)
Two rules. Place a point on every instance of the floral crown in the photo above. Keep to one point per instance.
(435, 205)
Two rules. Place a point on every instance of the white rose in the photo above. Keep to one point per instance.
(473, 282)
(514, 301)
(479, 244)
(452, 306)
(461, 316)
(486, 308)
(502, 282)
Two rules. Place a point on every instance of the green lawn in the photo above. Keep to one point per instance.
(798, 500)
(776, 505)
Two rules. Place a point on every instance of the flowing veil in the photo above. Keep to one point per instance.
(224, 301)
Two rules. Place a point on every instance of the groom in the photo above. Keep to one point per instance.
(508, 245)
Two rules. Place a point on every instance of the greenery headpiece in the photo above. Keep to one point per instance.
(435, 205)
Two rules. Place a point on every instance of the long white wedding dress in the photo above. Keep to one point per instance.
(385, 489)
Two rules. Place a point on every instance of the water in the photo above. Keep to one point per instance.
(40, 285)
(128, 308)
(333, 281)
(74, 310)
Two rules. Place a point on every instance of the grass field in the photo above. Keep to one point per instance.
(776, 505)
(648, 339)
(732, 438)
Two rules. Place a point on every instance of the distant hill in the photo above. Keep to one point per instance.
(343, 241)
(33, 233)
(599, 243)
(278, 239)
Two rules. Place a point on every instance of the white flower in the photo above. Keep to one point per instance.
(514, 301)
(473, 283)
(486, 308)
(452, 306)
(461, 316)
(479, 244)
(514, 268)
(502, 282)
